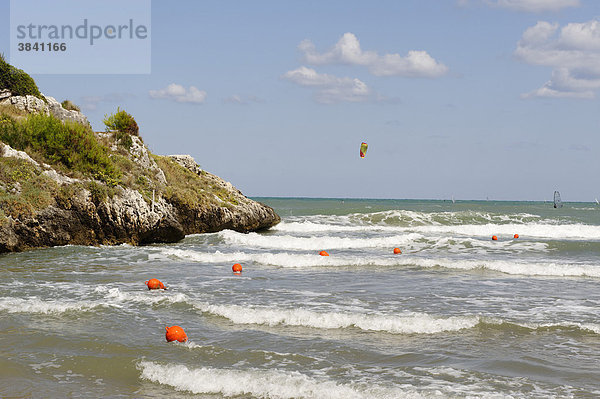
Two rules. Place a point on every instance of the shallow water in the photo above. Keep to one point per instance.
(455, 315)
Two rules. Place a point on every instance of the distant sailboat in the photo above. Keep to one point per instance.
(557, 200)
(597, 202)
(453, 199)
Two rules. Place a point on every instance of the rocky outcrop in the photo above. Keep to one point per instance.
(56, 109)
(81, 218)
(187, 162)
(33, 105)
(29, 104)
(126, 218)
(246, 215)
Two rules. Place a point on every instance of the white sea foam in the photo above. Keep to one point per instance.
(570, 231)
(35, 305)
(281, 384)
(593, 327)
(313, 227)
(115, 295)
(415, 218)
(291, 260)
(516, 268)
(589, 327)
(416, 241)
(413, 323)
(277, 259)
(259, 383)
(525, 231)
(412, 218)
(314, 243)
(111, 297)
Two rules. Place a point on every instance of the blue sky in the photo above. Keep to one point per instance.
(467, 98)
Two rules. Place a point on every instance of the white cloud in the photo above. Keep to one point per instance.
(242, 100)
(348, 51)
(329, 88)
(583, 36)
(531, 5)
(574, 53)
(91, 103)
(180, 94)
(548, 92)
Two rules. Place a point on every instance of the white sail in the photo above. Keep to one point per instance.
(557, 200)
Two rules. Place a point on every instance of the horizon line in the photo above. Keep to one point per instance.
(411, 199)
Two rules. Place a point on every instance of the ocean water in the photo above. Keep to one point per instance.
(456, 315)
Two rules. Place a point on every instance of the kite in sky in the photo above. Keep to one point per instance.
(363, 149)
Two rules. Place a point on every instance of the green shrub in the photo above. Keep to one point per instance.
(124, 140)
(69, 105)
(65, 194)
(15, 170)
(18, 82)
(39, 191)
(15, 206)
(36, 193)
(69, 144)
(98, 191)
(122, 122)
(189, 189)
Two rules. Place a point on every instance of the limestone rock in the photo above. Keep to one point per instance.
(8, 151)
(4, 93)
(56, 109)
(242, 214)
(30, 104)
(187, 161)
(60, 178)
(140, 154)
(34, 105)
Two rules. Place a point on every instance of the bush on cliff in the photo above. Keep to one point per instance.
(122, 125)
(71, 145)
(24, 189)
(188, 189)
(18, 82)
(70, 105)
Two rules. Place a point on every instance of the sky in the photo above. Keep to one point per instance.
(471, 99)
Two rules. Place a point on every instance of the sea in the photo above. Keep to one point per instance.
(455, 315)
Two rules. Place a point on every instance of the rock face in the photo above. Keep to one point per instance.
(126, 217)
(247, 215)
(34, 105)
(57, 110)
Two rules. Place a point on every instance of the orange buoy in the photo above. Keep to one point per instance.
(494, 238)
(323, 253)
(175, 333)
(155, 284)
(516, 236)
(397, 251)
(237, 268)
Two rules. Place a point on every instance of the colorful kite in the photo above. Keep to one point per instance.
(363, 149)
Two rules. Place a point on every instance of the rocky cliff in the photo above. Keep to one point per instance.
(118, 193)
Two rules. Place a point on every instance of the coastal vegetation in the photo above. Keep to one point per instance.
(70, 146)
(17, 81)
(190, 189)
(123, 126)
(70, 105)
(24, 190)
